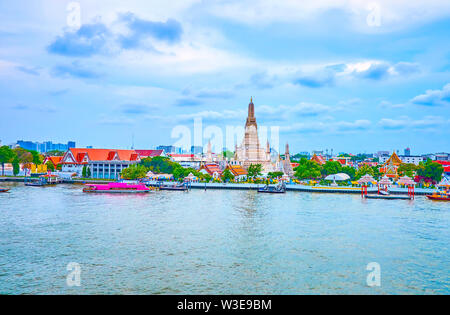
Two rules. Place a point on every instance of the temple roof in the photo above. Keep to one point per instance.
(212, 168)
(237, 170)
(394, 159)
(317, 158)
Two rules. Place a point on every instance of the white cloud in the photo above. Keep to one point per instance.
(405, 122)
(301, 109)
(434, 97)
(328, 127)
(394, 15)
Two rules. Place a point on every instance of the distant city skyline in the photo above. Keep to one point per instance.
(169, 148)
(346, 76)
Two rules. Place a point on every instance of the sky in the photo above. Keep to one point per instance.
(352, 76)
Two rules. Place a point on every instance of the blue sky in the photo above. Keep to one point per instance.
(355, 76)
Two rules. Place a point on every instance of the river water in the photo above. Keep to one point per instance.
(219, 242)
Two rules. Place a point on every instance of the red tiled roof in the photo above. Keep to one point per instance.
(445, 164)
(149, 153)
(103, 154)
(237, 170)
(212, 168)
(319, 159)
(54, 159)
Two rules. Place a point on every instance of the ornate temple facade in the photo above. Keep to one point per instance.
(251, 151)
(287, 166)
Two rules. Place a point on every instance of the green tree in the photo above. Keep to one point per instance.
(407, 169)
(308, 169)
(331, 167)
(179, 172)
(227, 175)
(254, 170)
(363, 170)
(16, 166)
(84, 172)
(275, 174)
(6, 156)
(376, 172)
(228, 154)
(159, 164)
(54, 153)
(50, 166)
(88, 172)
(207, 177)
(23, 155)
(134, 171)
(37, 158)
(431, 170)
(350, 171)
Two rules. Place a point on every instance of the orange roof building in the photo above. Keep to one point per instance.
(102, 163)
(55, 160)
(318, 159)
(211, 169)
(237, 170)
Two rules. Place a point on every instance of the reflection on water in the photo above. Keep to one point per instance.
(219, 242)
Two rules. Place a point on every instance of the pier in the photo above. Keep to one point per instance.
(247, 186)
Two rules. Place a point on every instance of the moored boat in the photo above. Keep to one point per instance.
(4, 189)
(174, 187)
(439, 196)
(116, 188)
(388, 197)
(279, 189)
(43, 180)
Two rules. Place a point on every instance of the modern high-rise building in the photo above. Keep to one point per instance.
(196, 149)
(45, 146)
(28, 145)
(168, 149)
(407, 152)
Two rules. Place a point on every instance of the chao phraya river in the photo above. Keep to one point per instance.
(219, 242)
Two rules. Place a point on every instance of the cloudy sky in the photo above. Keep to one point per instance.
(355, 76)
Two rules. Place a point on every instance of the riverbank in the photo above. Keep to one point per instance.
(304, 188)
(247, 186)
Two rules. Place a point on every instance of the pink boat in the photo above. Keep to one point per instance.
(116, 188)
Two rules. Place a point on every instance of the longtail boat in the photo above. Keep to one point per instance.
(439, 196)
(116, 188)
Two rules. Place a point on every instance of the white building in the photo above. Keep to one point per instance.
(102, 163)
(411, 159)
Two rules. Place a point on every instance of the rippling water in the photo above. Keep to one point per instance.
(220, 242)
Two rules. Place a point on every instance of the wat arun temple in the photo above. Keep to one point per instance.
(252, 152)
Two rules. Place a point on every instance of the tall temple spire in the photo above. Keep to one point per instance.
(209, 157)
(251, 120)
(287, 162)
